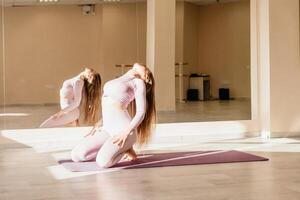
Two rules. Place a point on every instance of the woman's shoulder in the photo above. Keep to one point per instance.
(77, 80)
(139, 81)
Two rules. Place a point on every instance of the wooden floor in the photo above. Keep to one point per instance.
(25, 174)
(31, 116)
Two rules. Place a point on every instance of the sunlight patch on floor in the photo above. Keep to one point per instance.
(47, 140)
(14, 114)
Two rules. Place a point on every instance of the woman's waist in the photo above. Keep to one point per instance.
(117, 131)
(109, 102)
(115, 121)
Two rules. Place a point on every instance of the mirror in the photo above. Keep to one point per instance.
(212, 61)
(49, 43)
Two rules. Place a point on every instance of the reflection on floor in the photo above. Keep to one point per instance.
(202, 111)
(33, 115)
(26, 116)
(26, 173)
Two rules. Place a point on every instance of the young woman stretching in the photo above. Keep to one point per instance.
(83, 89)
(120, 131)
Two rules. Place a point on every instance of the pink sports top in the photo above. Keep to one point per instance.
(125, 89)
(71, 93)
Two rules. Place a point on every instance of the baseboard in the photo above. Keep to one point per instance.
(285, 134)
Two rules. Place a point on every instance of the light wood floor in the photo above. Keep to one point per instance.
(25, 175)
(31, 116)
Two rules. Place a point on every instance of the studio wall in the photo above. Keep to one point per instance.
(224, 46)
(45, 45)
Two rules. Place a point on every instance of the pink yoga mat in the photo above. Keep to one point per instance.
(168, 159)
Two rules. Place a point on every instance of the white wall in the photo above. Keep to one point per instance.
(124, 36)
(161, 50)
(48, 44)
(224, 46)
(191, 37)
(187, 41)
(179, 31)
(64, 41)
(2, 122)
(284, 66)
(215, 39)
(180, 48)
(1, 64)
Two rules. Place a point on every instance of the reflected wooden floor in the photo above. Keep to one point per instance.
(203, 111)
(25, 175)
(31, 116)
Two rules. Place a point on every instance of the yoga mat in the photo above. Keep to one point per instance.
(168, 159)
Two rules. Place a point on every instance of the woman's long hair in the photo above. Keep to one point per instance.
(91, 103)
(144, 130)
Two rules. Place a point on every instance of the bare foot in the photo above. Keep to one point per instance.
(130, 155)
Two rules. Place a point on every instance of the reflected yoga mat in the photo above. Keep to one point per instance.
(168, 159)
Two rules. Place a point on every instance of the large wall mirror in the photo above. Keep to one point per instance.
(48, 42)
(212, 61)
(44, 43)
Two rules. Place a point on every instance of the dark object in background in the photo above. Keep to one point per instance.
(192, 95)
(206, 88)
(201, 82)
(224, 94)
(195, 75)
(198, 75)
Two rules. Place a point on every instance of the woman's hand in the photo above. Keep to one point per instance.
(91, 133)
(97, 127)
(120, 139)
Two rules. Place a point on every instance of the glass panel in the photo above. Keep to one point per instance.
(212, 62)
(49, 43)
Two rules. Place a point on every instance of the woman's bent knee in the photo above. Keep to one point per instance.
(78, 155)
(104, 163)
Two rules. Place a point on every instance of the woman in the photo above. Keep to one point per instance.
(83, 89)
(119, 131)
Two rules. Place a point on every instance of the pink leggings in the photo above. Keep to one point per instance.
(101, 147)
(61, 121)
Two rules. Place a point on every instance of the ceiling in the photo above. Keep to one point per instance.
(76, 2)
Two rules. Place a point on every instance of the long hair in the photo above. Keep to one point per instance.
(145, 129)
(92, 99)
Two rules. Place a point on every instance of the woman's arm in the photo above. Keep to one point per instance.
(140, 100)
(77, 96)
